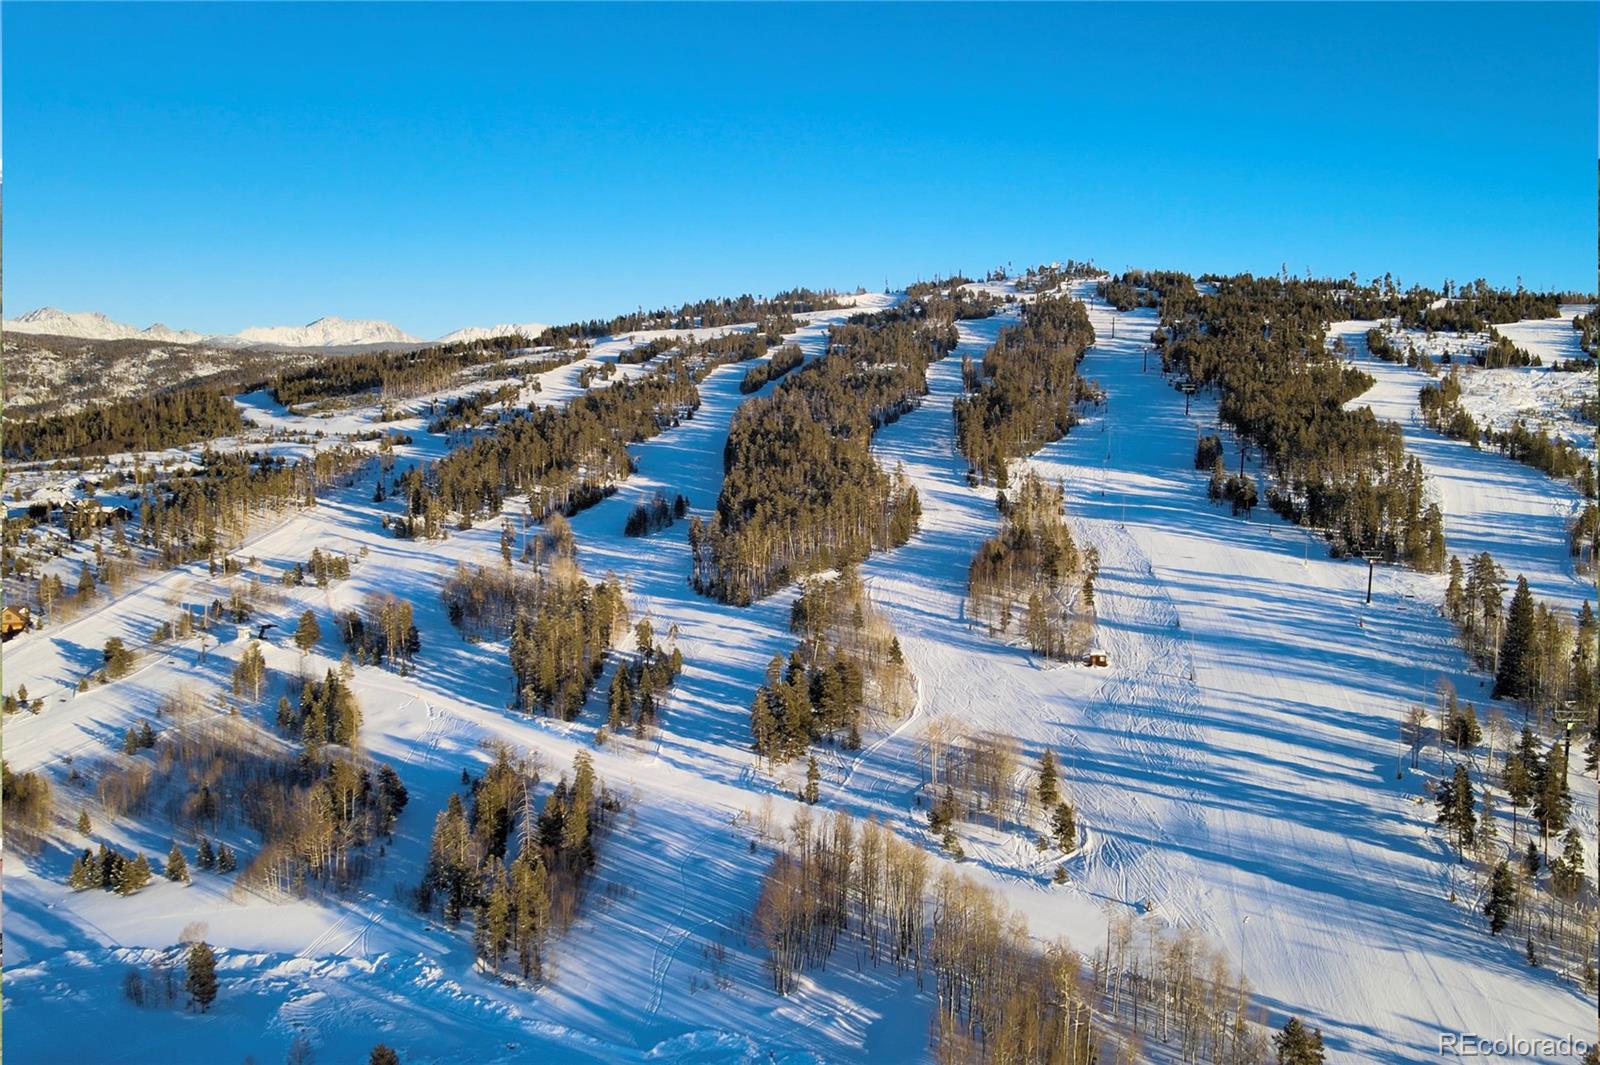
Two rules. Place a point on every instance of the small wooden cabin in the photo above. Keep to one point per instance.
(14, 621)
(1096, 657)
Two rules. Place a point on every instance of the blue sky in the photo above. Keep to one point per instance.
(221, 166)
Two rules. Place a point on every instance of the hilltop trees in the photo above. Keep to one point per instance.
(141, 423)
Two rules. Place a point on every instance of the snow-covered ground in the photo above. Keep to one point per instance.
(1234, 768)
(1491, 503)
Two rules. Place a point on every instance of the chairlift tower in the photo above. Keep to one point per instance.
(1567, 715)
(1188, 389)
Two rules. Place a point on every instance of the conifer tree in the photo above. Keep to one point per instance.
(177, 869)
(307, 631)
(1552, 800)
(813, 789)
(1065, 826)
(1298, 1045)
(83, 822)
(1502, 900)
(85, 872)
(1457, 808)
(383, 1055)
(1517, 674)
(226, 861)
(1047, 787)
(205, 858)
(201, 982)
(133, 875)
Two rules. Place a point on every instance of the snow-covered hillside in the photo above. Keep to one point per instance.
(1237, 767)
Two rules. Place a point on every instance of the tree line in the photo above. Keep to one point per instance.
(999, 995)
(701, 314)
(1143, 288)
(396, 374)
(139, 423)
(783, 360)
(1441, 409)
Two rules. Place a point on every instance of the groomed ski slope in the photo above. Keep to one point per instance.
(1234, 771)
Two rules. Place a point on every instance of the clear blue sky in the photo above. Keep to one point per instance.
(221, 166)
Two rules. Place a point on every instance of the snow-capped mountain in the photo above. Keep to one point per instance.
(158, 331)
(91, 325)
(484, 332)
(327, 332)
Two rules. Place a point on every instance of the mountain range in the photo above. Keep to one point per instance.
(325, 332)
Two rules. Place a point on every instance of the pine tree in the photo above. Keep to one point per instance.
(85, 872)
(133, 875)
(813, 788)
(205, 858)
(201, 982)
(1502, 900)
(83, 823)
(1518, 670)
(226, 861)
(1298, 1045)
(1455, 595)
(1065, 826)
(1518, 782)
(177, 868)
(307, 632)
(494, 923)
(1552, 799)
(1047, 779)
(382, 1055)
(1457, 808)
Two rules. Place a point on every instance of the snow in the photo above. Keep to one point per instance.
(1490, 503)
(486, 332)
(1234, 767)
(93, 325)
(326, 332)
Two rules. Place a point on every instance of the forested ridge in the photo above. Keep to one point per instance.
(397, 374)
(802, 491)
(142, 423)
(1025, 392)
